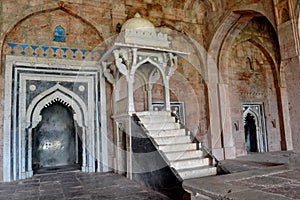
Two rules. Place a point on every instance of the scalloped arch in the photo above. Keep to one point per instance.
(56, 93)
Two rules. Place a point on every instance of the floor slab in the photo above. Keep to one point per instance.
(76, 185)
(257, 176)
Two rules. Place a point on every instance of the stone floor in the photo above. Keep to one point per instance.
(257, 161)
(76, 185)
(256, 176)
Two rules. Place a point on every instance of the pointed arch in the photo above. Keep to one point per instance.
(50, 7)
(152, 63)
(252, 113)
(56, 93)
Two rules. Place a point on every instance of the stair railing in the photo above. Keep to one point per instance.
(145, 133)
(202, 147)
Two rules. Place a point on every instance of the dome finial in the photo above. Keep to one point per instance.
(137, 15)
(138, 23)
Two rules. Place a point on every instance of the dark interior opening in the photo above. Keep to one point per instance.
(56, 146)
(250, 134)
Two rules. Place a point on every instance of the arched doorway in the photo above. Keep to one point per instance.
(250, 133)
(55, 143)
(254, 128)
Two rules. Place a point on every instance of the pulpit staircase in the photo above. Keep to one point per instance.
(187, 157)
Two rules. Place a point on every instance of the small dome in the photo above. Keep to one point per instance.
(138, 23)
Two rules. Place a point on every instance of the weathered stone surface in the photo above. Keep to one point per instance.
(240, 52)
(77, 185)
(251, 180)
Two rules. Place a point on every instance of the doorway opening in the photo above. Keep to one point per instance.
(254, 126)
(56, 145)
(250, 134)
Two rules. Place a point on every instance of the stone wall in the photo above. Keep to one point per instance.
(204, 27)
(251, 74)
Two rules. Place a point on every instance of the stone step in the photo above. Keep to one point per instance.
(173, 140)
(196, 172)
(184, 156)
(178, 147)
(162, 126)
(167, 133)
(153, 113)
(157, 119)
(190, 163)
(173, 156)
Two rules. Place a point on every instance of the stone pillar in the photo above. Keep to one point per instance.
(120, 162)
(29, 171)
(84, 169)
(214, 133)
(129, 148)
(167, 94)
(102, 138)
(130, 81)
(286, 118)
(149, 91)
(228, 141)
(288, 41)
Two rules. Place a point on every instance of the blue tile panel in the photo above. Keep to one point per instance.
(53, 52)
(59, 34)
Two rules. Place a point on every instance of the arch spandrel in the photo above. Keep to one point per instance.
(55, 93)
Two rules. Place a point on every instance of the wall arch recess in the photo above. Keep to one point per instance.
(64, 7)
(37, 86)
(56, 93)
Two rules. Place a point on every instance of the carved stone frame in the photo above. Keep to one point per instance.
(20, 117)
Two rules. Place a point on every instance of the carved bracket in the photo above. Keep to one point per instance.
(109, 72)
(121, 62)
(172, 64)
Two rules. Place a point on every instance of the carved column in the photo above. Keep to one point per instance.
(170, 68)
(84, 167)
(29, 154)
(125, 67)
(130, 81)
(167, 94)
(102, 140)
(149, 91)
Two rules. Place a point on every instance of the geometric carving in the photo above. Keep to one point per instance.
(19, 49)
(146, 38)
(36, 88)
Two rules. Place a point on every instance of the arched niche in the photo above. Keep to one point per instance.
(253, 76)
(72, 101)
(56, 93)
(147, 78)
(254, 128)
(56, 143)
(44, 82)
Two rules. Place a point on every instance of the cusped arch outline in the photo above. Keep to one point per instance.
(252, 113)
(57, 92)
(152, 63)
